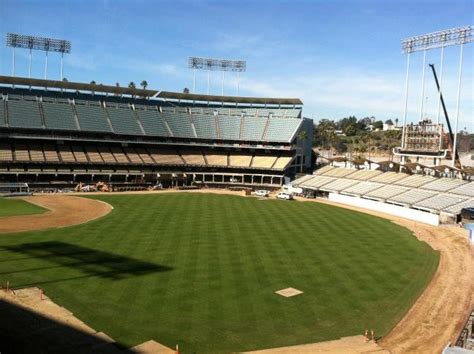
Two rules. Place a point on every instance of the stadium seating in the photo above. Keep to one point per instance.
(21, 152)
(339, 172)
(36, 153)
(106, 154)
(338, 185)
(317, 182)
(151, 121)
(281, 129)
(440, 201)
(91, 116)
(414, 181)
(132, 155)
(79, 154)
(412, 196)
(240, 160)
(253, 128)
(50, 153)
(66, 154)
(324, 169)
(444, 184)
(386, 192)
(465, 189)
(205, 126)
(93, 154)
(144, 155)
(180, 124)
(229, 127)
(6, 153)
(3, 115)
(165, 157)
(216, 159)
(388, 177)
(365, 175)
(456, 208)
(362, 188)
(123, 119)
(119, 155)
(23, 113)
(263, 161)
(58, 115)
(193, 157)
(282, 162)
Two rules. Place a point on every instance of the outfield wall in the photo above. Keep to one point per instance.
(403, 212)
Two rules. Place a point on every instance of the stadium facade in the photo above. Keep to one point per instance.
(57, 133)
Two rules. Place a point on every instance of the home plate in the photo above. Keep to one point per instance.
(289, 292)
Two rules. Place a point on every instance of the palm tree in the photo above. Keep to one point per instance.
(92, 83)
(302, 136)
(131, 85)
(144, 84)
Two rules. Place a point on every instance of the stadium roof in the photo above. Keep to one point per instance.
(66, 85)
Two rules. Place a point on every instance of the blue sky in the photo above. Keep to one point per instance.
(340, 57)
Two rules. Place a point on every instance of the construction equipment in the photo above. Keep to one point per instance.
(448, 123)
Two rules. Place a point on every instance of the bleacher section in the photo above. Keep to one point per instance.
(415, 191)
(205, 126)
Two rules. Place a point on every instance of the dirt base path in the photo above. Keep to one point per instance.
(62, 211)
(440, 312)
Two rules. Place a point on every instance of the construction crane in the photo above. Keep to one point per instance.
(448, 123)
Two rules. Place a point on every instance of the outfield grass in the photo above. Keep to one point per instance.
(201, 270)
(10, 207)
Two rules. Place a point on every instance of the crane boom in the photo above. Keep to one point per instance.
(448, 123)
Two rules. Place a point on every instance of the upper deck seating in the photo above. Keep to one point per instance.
(281, 129)
(151, 120)
(23, 113)
(123, 119)
(263, 161)
(205, 126)
(180, 124)
(58, 115)
(91, 116)
(253, 128)
(229, 127)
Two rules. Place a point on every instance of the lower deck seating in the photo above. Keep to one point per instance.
(66, 154)
(193, 157)
(165, 157)
(240, 160)
(216, 159)
(21, 153)
(262, 161)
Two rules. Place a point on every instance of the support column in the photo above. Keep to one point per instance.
(423, 85)
(407, 80)
(453, 163)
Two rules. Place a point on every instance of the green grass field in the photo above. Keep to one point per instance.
(201, 270)
(10, 207)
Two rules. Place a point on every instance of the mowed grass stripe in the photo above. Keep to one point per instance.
(13, 206)
(201, 270)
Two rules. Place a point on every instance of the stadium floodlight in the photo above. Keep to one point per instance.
(454, 36)
(45, 44)
(440, 39)
(211, 64)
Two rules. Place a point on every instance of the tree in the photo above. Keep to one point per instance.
(378, 124)
(350, 130)
(185, 90)
(324, 133)
(144, 84)
(396, 122)
(92, 82)
(64, 79)
(131, 85)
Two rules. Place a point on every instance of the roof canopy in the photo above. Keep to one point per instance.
(66, 85)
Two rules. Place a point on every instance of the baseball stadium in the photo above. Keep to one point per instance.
(137, 220)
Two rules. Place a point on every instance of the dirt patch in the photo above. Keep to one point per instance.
(440, 312)
(62, 211)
